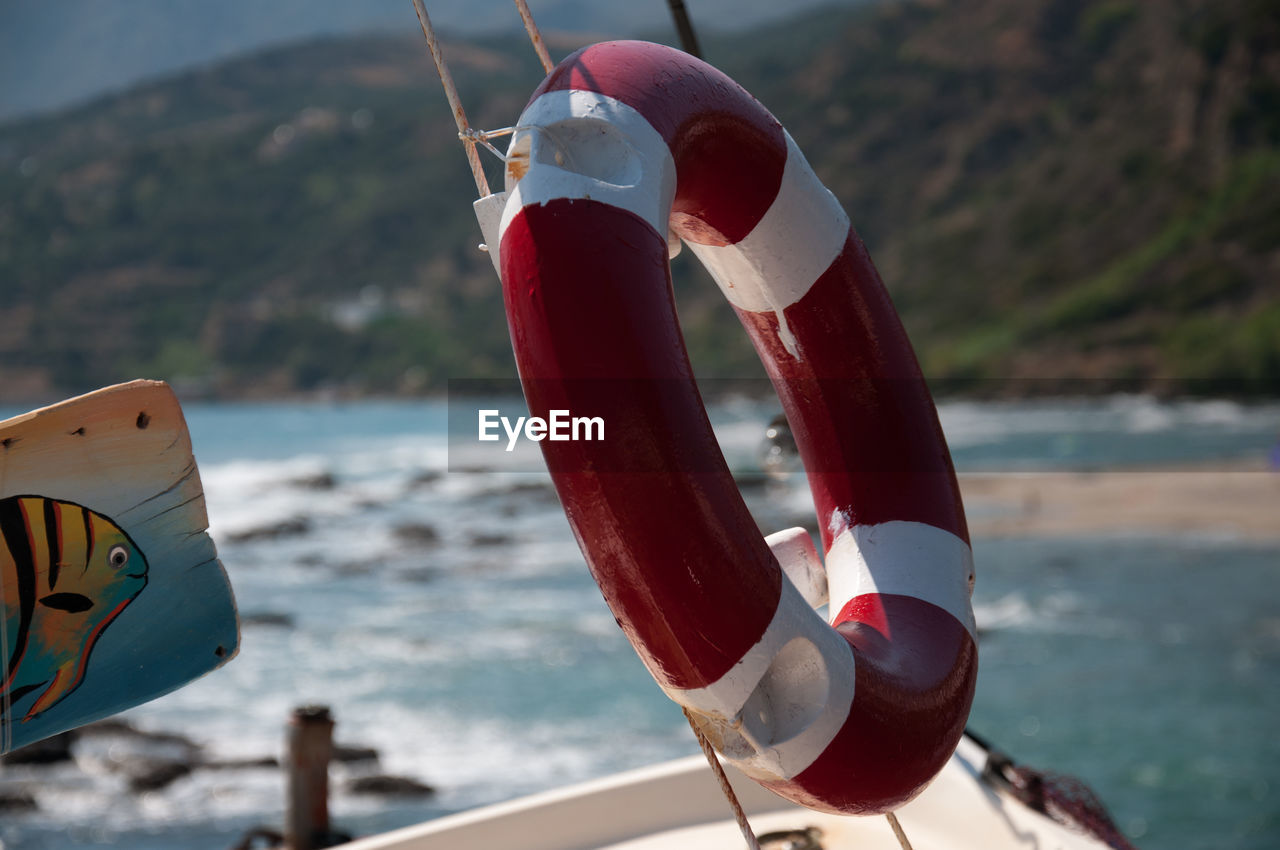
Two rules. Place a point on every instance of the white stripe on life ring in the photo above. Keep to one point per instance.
(791, 246)
(593, 146)
(768, 698)
(906, 559)
(786, 699)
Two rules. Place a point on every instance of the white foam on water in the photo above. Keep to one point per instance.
(1059, 612)
(392, 456)
(1226, 414)
(1140, 414)
(968, 424)
(479, 759)
(740, 441)
(1011, 611)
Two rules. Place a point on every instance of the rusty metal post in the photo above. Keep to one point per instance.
(310, 745)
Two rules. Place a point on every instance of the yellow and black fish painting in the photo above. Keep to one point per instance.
(66, 573)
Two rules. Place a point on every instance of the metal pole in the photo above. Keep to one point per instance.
(310, 744)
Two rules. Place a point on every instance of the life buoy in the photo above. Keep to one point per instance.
(623, 143)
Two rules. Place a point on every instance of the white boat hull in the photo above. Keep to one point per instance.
(679, 805)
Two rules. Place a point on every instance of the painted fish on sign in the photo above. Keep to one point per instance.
(74, 571)
(111, 593)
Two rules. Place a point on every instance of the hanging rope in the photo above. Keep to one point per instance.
(451, 92)
(688, 39)
(741, 816)
(725, 787)
(534, 36)
(897, 830)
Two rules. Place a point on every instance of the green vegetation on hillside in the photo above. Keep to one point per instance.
(1053, 190)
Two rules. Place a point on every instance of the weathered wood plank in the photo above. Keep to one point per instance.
(82, 638)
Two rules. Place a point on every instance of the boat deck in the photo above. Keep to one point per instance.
(679, 805)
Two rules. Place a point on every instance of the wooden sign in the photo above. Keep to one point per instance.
(111, 592)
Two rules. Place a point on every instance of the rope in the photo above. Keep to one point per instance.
(739, 815)
(725, 787)
(897, 830)
(451, 92)
(688, 38)
(482, 137)
(534, 36)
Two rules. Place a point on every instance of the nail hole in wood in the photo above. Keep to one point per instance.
(143, 419)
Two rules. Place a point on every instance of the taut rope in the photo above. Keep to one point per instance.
(451, 92)
(470, 136)
(535, 37)
(897, 830)
(725, 788)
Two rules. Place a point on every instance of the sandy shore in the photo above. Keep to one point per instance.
(1237, 501)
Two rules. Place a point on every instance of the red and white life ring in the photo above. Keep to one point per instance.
(623, 143)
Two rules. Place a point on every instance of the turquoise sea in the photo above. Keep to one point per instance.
(445, 615)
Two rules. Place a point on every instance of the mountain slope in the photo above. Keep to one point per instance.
(1053, 190)
(73, 49)
(1085, 189)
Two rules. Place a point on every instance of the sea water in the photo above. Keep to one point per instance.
(445, 615)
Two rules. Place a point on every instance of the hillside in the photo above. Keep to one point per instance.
(1074, 195)
(70, 50)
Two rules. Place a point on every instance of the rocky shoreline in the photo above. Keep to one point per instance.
(153, 760)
